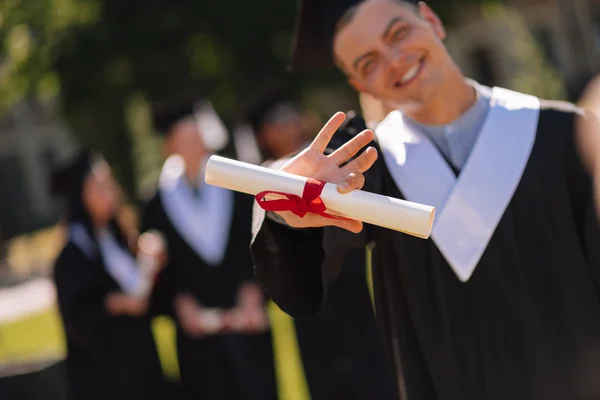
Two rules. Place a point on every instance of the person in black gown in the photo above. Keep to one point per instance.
(223, 340)
(340, 347)
(111, 352)
(502, 300)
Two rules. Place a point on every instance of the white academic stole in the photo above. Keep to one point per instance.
(468, 208)
(203, 223)
(118, 262)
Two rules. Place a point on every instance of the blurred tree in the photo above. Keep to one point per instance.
(30, 31)
(532, 71)
(153, 48)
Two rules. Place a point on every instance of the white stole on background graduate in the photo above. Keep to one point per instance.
(79, 236)
(118, 262)
(468, 208)
(203, 223)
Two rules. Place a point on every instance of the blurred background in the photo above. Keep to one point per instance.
(83, 72)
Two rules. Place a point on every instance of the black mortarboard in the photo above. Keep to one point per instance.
(170, 111)
(67, 179)
(313, 36)
(270, 106)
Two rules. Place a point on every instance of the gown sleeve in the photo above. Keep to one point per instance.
(81, 297)
(298, 266)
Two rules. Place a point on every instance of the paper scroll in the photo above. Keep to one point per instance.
(411, 218)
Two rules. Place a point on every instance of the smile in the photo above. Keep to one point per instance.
(411, 74)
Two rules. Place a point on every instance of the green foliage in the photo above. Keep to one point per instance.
(146, 149)
(151, 49)
(531, 72)
(30, 31)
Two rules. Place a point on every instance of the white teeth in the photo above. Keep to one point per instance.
(411, 73)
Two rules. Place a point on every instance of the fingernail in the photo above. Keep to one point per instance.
(343, 186)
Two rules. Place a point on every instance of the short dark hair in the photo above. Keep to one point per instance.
(349, 14)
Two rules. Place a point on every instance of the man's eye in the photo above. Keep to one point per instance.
(399, 33)
(368, 67)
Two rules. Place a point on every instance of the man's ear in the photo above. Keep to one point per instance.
(431, 17)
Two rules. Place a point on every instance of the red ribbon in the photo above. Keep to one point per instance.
(310, 202)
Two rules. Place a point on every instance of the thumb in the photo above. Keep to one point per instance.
(351, 225)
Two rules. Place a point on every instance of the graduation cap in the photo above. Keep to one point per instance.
(313, 37)
(271, 103)
(167, 113)
(274, 105)
(68, 179)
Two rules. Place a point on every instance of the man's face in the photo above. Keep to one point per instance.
(393, 52)
(185, 140)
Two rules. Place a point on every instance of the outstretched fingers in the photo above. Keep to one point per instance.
(351, 147)
(361, 163)
(324, 136)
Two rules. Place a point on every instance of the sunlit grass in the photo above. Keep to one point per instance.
(35, 251)
(40, 337)
(36, 337)
(289, 371)
(164, 336)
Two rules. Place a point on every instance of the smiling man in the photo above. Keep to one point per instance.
(502, 301)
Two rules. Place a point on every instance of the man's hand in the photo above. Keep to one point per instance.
(151, 246)
(117, 303)
(196, 320)
(312, 163)
(249, 315)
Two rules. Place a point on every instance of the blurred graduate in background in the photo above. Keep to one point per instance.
(223, 339)
(103, 292)
(340, 347)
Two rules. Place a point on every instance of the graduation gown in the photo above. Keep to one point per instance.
(502, 301)
(209, 258)
(108, 357)
(341, 350)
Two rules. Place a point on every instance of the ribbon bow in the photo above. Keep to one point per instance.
(310, 202)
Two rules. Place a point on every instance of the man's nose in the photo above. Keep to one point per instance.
(394, 57)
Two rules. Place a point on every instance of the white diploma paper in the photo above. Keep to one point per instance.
(404, 216)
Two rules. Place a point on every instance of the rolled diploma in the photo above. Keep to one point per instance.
(403, 216)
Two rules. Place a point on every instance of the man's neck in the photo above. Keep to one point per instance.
(453, 100)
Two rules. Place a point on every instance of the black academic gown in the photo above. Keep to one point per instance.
(341, 349)
(108, 357)
(525, 325)
(225, 366)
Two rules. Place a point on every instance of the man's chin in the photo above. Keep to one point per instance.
(411, 106)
